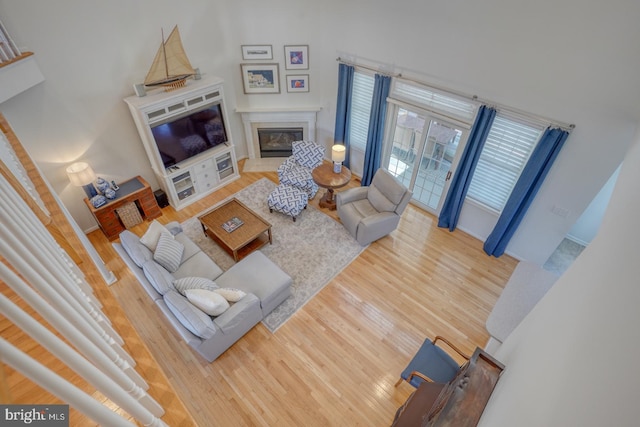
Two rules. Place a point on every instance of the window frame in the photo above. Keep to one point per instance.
(433, 100)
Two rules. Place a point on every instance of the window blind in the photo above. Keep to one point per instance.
(505, 153)
(421, 96)
(362, 94)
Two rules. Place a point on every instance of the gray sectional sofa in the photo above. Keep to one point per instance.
(259, 284)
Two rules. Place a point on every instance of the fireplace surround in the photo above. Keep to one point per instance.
(278, 120)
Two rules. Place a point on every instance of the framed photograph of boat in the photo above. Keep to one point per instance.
(257, 52)
(296, 57)
(299, 83)
(260, 78)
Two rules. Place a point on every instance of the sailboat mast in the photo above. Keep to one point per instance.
(164, 50)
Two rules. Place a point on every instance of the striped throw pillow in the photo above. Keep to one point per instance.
(186, 283)
(168, 253)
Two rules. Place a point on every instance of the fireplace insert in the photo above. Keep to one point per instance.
(276, 142)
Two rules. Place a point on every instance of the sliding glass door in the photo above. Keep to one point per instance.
(421, 150)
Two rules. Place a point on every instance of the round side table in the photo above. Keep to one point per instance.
(325, 177)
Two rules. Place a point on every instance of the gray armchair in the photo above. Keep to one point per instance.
(372, 212)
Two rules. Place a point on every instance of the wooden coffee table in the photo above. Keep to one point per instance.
(325, 177)
(253, 234)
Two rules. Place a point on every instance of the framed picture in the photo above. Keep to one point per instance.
(299, 83)
(257, 51)
(296, 57)
(260, 78)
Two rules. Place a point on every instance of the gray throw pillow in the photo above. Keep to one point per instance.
(138, 252)
(196, 321)
(158, 276)
(168, 253)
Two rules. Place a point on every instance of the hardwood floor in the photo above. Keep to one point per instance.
(335, 362)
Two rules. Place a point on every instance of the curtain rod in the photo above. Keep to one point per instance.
(552, 123)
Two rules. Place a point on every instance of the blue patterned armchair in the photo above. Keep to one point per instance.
(296, 170)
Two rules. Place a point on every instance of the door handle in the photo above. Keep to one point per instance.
(448, 176)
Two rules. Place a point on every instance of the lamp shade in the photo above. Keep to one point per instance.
(80, 174)
(338, 153)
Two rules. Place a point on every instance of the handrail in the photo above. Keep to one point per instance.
(23, 55)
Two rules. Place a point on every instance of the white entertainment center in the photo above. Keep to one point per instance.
(199, 173)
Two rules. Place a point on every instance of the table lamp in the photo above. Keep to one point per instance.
(81, 175)
(338, 153)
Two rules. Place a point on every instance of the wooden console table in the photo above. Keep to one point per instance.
(135, 190)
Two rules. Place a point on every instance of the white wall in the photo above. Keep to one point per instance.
(587, 226)
(573, 360)
(569, 60)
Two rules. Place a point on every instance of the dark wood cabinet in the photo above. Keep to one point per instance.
(135, 190)
(458, 403)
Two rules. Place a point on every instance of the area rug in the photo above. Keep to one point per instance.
(312, 250)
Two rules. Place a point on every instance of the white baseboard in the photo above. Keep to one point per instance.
(576, 240)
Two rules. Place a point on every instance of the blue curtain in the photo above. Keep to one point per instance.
(525, 190)
(452, 206)
(343, 108)
(375, 136)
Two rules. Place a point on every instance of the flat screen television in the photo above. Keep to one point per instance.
(181, 137)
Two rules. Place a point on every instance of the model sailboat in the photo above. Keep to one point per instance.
(170, 67)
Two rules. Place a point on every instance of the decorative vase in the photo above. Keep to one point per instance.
(98, 201)
(109, 193)
(102, 185)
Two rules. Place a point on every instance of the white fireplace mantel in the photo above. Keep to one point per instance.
(255, 118)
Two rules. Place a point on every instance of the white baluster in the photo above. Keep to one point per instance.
(60, 387)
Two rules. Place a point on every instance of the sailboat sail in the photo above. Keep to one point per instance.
(171, 63)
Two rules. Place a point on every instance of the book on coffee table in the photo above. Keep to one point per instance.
(232, 224)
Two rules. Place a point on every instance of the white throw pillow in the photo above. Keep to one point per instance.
(231, 294)
(207, 301)
(152, 235)
(168, 252)
(185, 283)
